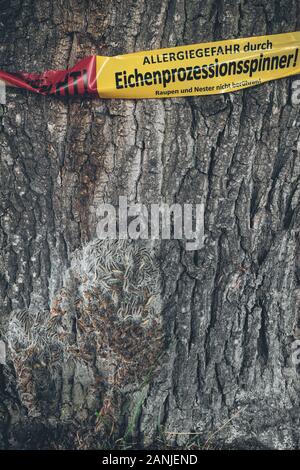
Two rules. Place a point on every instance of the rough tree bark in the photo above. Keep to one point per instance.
(209, 348)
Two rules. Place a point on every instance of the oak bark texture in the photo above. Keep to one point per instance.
(212, 355)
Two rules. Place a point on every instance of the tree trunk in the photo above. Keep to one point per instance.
(203, 358)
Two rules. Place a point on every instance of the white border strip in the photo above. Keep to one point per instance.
(2, 353)
(2, 92)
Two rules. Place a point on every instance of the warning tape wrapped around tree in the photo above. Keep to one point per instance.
(199, 69)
